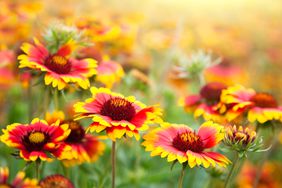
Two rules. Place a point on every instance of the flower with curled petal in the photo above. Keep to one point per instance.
(258, 106)
(59, 67)
(181, 143)
(116, 114)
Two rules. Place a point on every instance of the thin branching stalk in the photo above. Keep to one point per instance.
(229, 179)
(113, 156)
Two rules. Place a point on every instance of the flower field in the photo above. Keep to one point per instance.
(143, 94)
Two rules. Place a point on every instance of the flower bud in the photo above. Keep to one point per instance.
(242, 139)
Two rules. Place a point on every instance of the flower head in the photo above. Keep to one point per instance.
(270, 176)
(179, 142)
(116, 114)
(56, 181)
(84, 147)
(207, 104)
(59, 68)
(18, 182)
(226, 73)
(261, 107)
(109, 73)
(37, 140)
(242, 139)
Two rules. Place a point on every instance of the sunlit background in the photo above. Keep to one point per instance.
(150, 39)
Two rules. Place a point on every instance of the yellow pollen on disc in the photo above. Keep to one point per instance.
(59, 60)
(189, 137)
(73, 125)
(241, 136)
(118, 102)
(36, 137)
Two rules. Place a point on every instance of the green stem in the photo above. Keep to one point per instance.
(266, 155)
(46, 100)
(56, 100)
(113, 156)
(66, 170)
(229, 179)
(37, 169)
(30, 101)
(180, 179)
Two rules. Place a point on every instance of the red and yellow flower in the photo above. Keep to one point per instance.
(56, 181)
(84, 147)
(206, 104)
(109, 73)
(7, 76)
(261, 107)
(226, 73)
(60, 68)
(37, 140)
(116, 114)
(180, 142)
(270, 176)
(18, 182)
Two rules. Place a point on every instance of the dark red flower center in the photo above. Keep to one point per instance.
(211, 92)
(77, 132)
(58, 64)
(56, 181)
(188, 141)
(35, 141)
(118, 109)
(264, 100)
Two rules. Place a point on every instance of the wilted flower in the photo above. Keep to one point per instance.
(18, 182)
(116, 114)
(242, 140)
(56, 181)
(180, 142)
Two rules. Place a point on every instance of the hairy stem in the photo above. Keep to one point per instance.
(37, 169)
(180, 179)
(113, 156)
(229, 179)
(56, 100)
